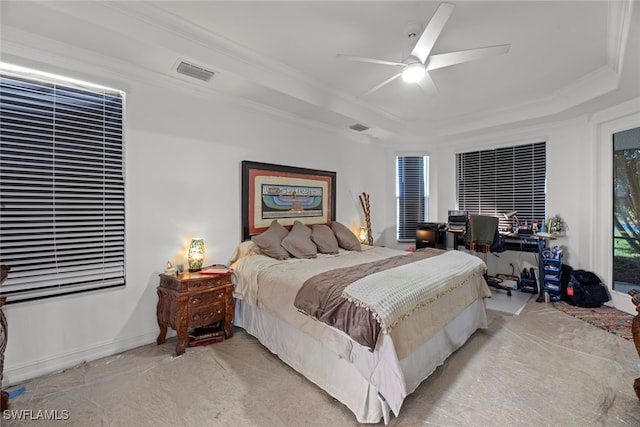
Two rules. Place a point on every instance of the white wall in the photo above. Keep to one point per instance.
(183, 179)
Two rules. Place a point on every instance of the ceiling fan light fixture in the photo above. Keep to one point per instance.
(413, 73)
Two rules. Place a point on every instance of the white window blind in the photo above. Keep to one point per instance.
(411, 195)
(494, 182)
(62, 218)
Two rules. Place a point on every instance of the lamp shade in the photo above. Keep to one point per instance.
(196, 254)
(364, 235)
(508, 215)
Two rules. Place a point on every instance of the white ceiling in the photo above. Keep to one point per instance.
(566, 58)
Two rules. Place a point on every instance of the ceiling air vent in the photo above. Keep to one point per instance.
(358, 127)
(194, 71)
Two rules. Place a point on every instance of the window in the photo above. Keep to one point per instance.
(626, 210)
(494, 182)
(61, 185)
(411, 195)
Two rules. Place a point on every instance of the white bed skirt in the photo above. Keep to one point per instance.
(339, 377)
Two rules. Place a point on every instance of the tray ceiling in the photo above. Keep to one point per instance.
(566, 58)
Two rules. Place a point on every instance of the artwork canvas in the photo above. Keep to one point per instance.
(286, 194)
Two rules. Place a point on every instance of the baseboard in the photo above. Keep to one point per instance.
(20, 373)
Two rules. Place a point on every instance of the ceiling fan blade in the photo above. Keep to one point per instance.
(428, 85)
(452, 58)
(373, 89)
(432, 31)
(371, 60)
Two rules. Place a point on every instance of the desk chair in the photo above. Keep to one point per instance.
(483, 237)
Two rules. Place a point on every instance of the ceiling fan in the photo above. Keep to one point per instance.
(415, 68)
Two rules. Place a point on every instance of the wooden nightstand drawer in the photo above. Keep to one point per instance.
(206, 298)
(208, 282)
(206, 316)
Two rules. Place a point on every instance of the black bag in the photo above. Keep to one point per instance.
(566, 271)
(585, 289)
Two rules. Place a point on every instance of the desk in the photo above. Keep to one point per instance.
(530, 243)
(534, 243)
(457, 233)
(522, 242)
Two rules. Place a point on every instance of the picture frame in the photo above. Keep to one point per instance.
(286, 194)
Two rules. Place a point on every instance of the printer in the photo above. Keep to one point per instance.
(458, 221)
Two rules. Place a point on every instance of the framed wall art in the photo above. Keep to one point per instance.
(287, 194)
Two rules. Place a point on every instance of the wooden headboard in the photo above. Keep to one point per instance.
(286, 194)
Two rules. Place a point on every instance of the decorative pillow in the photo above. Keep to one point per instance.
(298, 242)
(325, 240)
(269, 241)
(244, 249)
(346, 239)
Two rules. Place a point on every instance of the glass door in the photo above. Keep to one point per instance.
(626, 210)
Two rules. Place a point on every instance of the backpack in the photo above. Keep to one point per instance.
(585, 289)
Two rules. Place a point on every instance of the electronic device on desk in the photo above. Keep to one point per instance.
(431, 235)
(458, 221)
(458, 226)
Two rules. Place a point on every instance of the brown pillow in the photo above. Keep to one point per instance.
(269, 241)
(298, 242)
(346, 239)
(325, 240)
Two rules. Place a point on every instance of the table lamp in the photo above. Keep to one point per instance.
(364, 235)
(196, 255)
(513, 215)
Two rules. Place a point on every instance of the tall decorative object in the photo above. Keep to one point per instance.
(196, 255)
(555, 225)
(366, 207)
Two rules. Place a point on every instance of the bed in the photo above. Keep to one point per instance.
(418, 307)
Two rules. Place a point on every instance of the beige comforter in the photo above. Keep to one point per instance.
(272, 285)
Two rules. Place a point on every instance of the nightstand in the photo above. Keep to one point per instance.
(194, 300)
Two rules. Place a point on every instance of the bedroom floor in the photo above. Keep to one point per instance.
(541, 368)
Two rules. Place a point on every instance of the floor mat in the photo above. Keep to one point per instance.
(513, 304)
(608, 318)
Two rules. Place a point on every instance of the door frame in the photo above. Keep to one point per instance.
(602, 248)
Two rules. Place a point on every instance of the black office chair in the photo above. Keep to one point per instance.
(482, 236)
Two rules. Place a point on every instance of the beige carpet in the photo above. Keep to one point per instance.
(541, 368)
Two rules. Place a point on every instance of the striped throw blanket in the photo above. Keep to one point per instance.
(394, 294)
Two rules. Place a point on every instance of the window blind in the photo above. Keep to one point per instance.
(494, 182)
(62, 218)
(411, 195)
